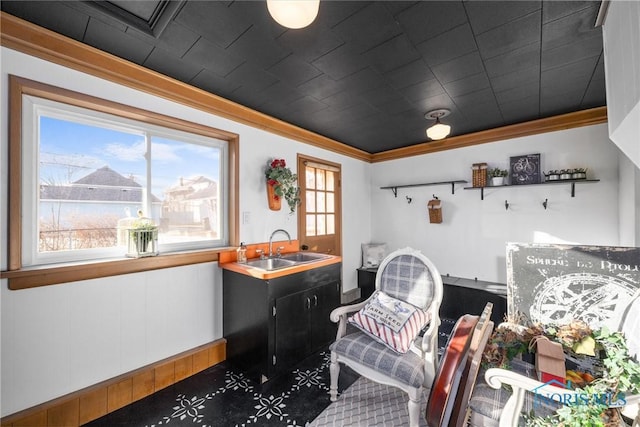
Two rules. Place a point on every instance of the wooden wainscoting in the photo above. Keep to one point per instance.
(95, 401)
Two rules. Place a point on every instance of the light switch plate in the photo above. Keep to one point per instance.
(246, 217)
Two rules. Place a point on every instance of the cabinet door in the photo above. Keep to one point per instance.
(292, 329)
(323, 300)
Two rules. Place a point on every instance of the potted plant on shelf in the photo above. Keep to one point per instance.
(143, 237)
(282, 182)
(497, 176)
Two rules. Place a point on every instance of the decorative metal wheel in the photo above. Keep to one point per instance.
(596, 299)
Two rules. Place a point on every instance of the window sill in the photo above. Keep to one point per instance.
(45, 275)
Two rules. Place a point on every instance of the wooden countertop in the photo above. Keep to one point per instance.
(259, 273)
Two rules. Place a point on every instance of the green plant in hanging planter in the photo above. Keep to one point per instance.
(284, 182)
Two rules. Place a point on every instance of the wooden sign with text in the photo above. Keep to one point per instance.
(558, 283)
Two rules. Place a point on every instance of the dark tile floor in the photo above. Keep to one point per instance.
(225, 396)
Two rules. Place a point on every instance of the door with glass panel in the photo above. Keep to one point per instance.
(319, 216)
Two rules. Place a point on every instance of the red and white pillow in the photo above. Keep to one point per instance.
(392, 322)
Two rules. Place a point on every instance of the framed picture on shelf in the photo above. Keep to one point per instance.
(525, 169)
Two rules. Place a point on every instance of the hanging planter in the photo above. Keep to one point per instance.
(434, 207)
(275, 202)
(283, 183)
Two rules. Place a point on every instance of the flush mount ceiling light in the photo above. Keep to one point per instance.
(293, 13)
(438, 130)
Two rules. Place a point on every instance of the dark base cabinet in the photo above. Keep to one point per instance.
(366, 281)
(460, 296)
(271, 325)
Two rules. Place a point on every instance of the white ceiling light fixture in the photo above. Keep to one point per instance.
(293, 14)
(438, 130)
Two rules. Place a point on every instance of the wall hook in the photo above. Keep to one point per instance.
(506, 205)
(545, 203)
(409, 199)
(435, 197)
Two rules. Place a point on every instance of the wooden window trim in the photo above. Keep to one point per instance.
(21, 278)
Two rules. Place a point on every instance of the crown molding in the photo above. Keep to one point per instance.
(31, 39)
(550, 124)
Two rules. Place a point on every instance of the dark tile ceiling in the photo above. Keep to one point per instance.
(365, 72)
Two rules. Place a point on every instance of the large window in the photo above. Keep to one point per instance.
(88, 174)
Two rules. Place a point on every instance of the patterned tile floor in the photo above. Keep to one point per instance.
(224, 396)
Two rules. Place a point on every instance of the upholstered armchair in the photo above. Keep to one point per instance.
(406, 280)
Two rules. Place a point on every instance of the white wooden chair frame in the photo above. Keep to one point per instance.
(520, 384)
(426, 346)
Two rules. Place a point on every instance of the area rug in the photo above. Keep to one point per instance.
(366, 403)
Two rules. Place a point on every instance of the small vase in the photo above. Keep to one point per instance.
(275, 202)
(497, 181)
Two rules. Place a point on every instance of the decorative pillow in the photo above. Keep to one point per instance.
(373, 254)
(392, 322)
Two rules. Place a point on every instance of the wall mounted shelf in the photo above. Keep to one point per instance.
(394, 188)
(572, 182)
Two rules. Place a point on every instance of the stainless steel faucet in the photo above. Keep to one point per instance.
(280, 230)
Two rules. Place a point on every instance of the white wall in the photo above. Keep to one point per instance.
(621, 36)
(57, 339)
(471, 240)
(629, 196)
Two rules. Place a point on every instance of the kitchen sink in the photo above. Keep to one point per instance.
(286, 260)
(302, 257)
(270, 263)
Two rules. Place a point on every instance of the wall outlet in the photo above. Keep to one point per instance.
(246, 217)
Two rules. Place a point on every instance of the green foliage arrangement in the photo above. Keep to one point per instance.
(621, 374)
